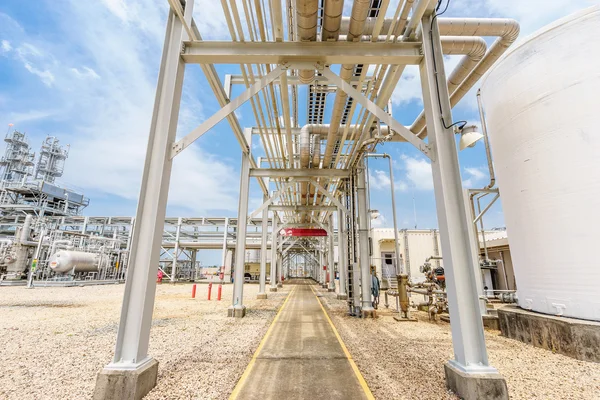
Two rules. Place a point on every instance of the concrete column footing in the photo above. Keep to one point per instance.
(273, 289)
(368, 314)
(116, 384)
(405, 319)
(261, 296)
(331, 289)
(474, 386)
(236, 312)
(342, 297)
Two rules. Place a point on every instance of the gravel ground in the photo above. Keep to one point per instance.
(55, 340)
(404, 360)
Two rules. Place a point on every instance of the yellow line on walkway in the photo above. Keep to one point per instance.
(240, 384)
(359, 376)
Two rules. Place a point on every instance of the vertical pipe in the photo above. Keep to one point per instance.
(363, 242)
(36, 257)
(486, 141)
(279, 269)
(322, 276)
(224, 249)
(262, 278)
(342, 257)
(331, 259)
(274, 236)
(399, 266)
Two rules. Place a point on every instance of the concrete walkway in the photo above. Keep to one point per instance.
(301, 356)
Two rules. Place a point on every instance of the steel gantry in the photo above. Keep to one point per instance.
(313, 175)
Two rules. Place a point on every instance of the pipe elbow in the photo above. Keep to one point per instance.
(512, 31)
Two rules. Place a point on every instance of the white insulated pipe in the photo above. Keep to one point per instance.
(506, 29)
(360, 10)
(316, 156)
(306, 19)
(332, 19)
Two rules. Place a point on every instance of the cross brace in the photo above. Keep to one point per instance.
(378, 112)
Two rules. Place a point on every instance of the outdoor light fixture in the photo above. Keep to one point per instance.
(469, 136)
(374, 214)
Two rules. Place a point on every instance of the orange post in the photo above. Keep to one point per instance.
(209, 289)
(194, 291)
(219, 292)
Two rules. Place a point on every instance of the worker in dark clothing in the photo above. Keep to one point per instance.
(375, 287)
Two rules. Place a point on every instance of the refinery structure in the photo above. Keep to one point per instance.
(318, 77)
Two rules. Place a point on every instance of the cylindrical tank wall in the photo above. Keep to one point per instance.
(65, 260)
(542, 105)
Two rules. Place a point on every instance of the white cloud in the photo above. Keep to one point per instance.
(409, 86)
(380, 180)
(107, 120)
(30, 115)
(5, 46)
(45, 76)
(474, 176)
(418, 172)
(85, 72)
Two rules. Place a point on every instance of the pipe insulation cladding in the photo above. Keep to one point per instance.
(542, 104)
(77, 261)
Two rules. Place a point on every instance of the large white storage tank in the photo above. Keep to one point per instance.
(542, 102)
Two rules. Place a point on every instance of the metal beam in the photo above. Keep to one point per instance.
(299, 173)
(293, 80)
(379, 113)
(302, 208)
(222, 52)
(270, 200)
(329, 196)
(226, 110)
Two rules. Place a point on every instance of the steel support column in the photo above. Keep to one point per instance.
(132, 368)
(363, 242)
(224, 250)
(176, 251)
(274, 237)
(237, 308)
(466, 324)
(342, 258)
(321, 264)
(279, 269)
(262, 278)
(331, 259)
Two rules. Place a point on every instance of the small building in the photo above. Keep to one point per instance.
(418, 245)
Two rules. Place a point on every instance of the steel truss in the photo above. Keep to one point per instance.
(332, 182)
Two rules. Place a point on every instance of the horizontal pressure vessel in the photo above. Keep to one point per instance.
(67, 260)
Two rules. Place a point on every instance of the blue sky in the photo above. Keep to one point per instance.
(85, 71)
